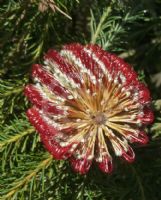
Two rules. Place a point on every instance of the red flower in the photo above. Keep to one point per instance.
(88, 102)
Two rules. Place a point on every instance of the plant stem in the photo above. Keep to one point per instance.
(99, 27)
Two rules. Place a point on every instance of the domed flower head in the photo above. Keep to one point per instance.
(88, 105)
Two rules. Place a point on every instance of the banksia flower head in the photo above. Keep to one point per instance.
(88, 103)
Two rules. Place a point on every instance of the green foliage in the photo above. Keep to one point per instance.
(128, 28)
(11, 98)
(111, 28)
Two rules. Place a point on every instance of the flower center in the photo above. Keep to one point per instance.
(99, 118)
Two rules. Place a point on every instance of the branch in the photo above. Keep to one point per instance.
(99, 27)
(16, 137)
(21, 184)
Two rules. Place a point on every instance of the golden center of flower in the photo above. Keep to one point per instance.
(99, 118)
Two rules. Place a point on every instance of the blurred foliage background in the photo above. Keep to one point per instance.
(132, 30)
